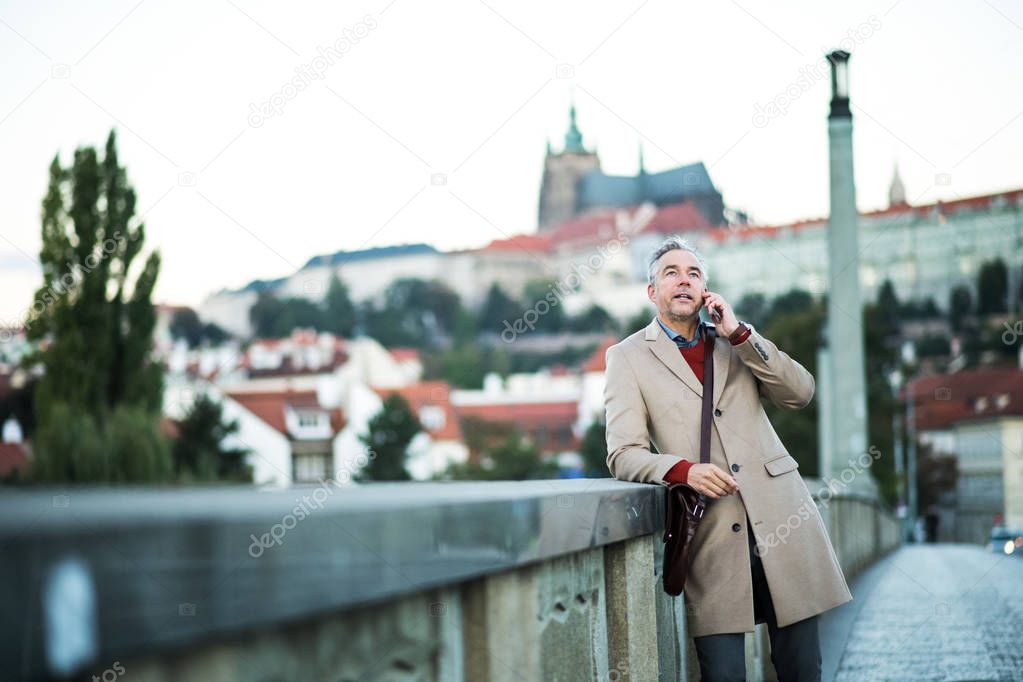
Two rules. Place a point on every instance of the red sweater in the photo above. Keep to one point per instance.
(694, 356)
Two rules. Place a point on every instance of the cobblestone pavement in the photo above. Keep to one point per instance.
(938, 612)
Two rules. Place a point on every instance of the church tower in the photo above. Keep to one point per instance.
(561, 173)
(896, 191)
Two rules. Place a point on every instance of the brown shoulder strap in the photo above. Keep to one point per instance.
(708, 393)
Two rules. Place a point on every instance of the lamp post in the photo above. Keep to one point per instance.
(839, 60)
(847, 394)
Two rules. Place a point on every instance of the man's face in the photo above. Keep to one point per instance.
(678, 286)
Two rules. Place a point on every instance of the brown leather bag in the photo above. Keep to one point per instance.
(684, 507)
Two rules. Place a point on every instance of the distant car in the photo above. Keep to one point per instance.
(1006, 541)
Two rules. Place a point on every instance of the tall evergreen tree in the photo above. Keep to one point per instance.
(497, 308)
(993, 287)
(889, 310)
(199, 449)
(960, 307)
(390, 432)
(97, 322)
(339, 310)
(593, 450)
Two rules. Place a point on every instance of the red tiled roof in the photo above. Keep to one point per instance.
(430, 393)
(745, 232)
(585, 229)
(921, 210)
(600, 225)
(169, 428)
(12, 456)
(676, 218)
(536, 243)
(597, 362)
(524, 414)
(982, 201)
(270, 406)
(403, 354)
(944, 399)
(169, 308)
(549, 425)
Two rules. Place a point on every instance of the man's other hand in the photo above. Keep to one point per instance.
(711, 481)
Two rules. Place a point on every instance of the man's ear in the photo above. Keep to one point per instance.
(650, 292)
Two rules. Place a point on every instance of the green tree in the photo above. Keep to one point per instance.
(97, 323)
(77, 451)
(214, 333)
(919, 309)
(593, 451)
(881, 356)
(497, 309)
(516, 459)
(199, 452)
(463, 366)
(390, 432)
(638, 321)
(185, 324)
(889, 310)
(274, 318)
(753, 308)
(960, 307)
(593, 319)
(542, 296)
(993, 288)
(799, 335)
(417, 313)
(339, 309)
(137, 451)
(512, 459)
(793, 301)
(1019, 292)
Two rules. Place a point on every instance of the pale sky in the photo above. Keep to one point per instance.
(471, 90)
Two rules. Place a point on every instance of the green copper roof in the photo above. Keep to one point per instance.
(573, 138)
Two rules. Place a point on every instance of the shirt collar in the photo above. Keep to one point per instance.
(680, 341)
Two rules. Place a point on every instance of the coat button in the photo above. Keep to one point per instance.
(736, 527)
(717, 413)
(735, 467)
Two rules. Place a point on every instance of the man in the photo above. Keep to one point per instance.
(761, 552)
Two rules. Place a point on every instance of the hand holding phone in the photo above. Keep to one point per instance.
(715, 312)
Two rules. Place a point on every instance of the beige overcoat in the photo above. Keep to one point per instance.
(653, 396)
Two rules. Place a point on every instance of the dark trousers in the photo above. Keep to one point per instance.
(795, 649)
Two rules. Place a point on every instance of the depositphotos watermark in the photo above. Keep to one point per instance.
(831, 487)
(75, 273)
(568, 284)
(110, 674)
(325, 58)
(305, 507)
(1012, 333)
(811, 74)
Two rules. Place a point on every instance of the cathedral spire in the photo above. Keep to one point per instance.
(896, 191)
(573, 138)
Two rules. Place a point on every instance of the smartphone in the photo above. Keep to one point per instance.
(714, 314)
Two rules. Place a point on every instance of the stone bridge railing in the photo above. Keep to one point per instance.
(540, 580)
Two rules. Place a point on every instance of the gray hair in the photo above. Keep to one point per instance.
(671, 244)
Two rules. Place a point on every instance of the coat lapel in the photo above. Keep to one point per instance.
(667, 352)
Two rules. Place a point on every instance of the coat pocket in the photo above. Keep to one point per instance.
(781, 464)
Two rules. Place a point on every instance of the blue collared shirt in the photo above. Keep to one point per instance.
(680, 341)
